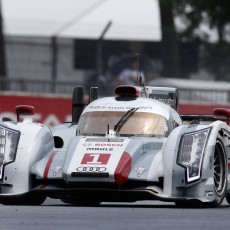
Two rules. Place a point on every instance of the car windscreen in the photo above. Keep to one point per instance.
(139, 124)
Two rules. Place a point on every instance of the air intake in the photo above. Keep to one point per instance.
(127, 90)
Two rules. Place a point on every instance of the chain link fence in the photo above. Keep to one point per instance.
(32, 67)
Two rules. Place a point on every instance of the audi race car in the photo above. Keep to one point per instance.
(129, 147)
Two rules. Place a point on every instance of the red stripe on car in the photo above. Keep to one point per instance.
(123, 169)
(228, 165)
(47, 168)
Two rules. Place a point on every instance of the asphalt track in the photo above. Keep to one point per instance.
(108, 216)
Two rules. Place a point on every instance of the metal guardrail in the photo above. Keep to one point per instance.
(211, 96)
(37, 86)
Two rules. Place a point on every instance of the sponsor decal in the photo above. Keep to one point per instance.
(208, 193)
(100, 149)
(108, 144)
(91, 169)
(87, 144)
(98, 107)
(96, 158)
(140, 170)
(49, 106)
(56, 170)
(102, 145)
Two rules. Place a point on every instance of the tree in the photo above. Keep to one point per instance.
(2, 54)
(169, 40)
(211, 13)
(215, 15)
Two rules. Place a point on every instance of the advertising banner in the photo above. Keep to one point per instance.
(49, 110)
(52, 110)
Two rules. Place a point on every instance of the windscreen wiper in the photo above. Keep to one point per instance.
(123, 119)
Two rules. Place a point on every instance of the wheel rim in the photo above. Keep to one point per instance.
(218, 172)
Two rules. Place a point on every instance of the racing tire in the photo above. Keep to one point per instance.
(219, 174)
(26, 200)
(220, 181)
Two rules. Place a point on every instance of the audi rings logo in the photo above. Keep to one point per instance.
(91, 169)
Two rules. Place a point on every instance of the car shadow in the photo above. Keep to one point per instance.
(136, 206)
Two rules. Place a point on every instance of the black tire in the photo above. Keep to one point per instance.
(27, 200)
(219, 174)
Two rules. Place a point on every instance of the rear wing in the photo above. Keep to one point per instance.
(166, 95)
(221, 114)
(203, 117)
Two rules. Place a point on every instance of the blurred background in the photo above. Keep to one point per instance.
(49, 46)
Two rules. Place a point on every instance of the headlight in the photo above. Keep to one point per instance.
(191, 152)
(8, 146)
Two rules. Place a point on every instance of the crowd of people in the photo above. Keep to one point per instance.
(105, 80)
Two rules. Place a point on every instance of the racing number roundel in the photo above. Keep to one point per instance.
(96, 158)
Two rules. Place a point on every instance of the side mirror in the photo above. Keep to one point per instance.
(24, 110)
(77, 103)
(93, 94)
(222, 113)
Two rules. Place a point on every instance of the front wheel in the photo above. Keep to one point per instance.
(219, 174)
(219, 178)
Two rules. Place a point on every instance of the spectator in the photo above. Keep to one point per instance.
(130, 75)
(100, 79)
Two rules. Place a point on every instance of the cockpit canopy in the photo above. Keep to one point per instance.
(138, 124)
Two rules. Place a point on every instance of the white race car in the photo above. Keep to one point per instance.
(132, 146)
